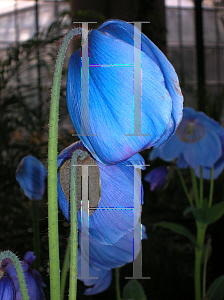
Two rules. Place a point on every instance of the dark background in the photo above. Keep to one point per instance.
(167, 257)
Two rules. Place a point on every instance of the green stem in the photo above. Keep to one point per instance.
(201, 229)
(117, 284)
(195, 187)
(201, 185)
(19, 271)
(211, 187)
(74, 230)
(65, 268)
(52, 170)
(36, 234)
(185, 187)
(206, 257)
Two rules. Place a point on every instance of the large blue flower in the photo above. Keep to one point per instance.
(111, 73)
(196, 141)
(30, 175)
(9, 279)
(111, 214)
(103, 258)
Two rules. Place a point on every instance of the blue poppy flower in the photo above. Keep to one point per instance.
(103, 258)
(157, 177)
(114, 203)
(196, 139)
(110, 130)
(33, 279)
(218, 166)
(30, 175)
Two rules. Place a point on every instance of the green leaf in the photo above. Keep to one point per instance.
(178, 229)
(216, 290)
(133, 291)
(206, 215)
(215, 212)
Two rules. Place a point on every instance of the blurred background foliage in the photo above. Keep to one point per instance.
(29, 39)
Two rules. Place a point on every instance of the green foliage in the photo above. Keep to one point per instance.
(207, 215)
(216, 290)
(133, 291)
(178, 229)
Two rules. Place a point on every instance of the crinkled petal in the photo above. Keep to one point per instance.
(30, 175)
(120, 195)
(111, 99)
(114, 256)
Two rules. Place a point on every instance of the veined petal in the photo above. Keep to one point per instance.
(111, 74)
(30, 175)
(107, 257)
(121, 194)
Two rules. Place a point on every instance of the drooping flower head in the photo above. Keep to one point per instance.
(30, 175)
(109, 125)
(113, 193)
(9, 284)
(157, 177)
(103, 258)
(196, 142)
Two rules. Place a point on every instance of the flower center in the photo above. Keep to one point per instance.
(93, 178)
(190, 132)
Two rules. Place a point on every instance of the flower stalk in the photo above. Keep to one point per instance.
(36, 234)
(52, 169)
(19, 271)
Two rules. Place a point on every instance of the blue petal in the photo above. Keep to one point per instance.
(29, 257)
(125, 31)
(157, 177)
(181, 162)
(111, 98)
(7, 288)
(33, 281)
(172, 148)
(30, 175)
(118, 192)
(204, 152)
(218, 166)
(100, 284)
(114, 256)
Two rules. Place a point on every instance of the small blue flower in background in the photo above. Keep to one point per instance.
(111, 71)
(103, 258)
(112, 216)
(196, 142)
(30, 175)
(9, 279)
(157, 177)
